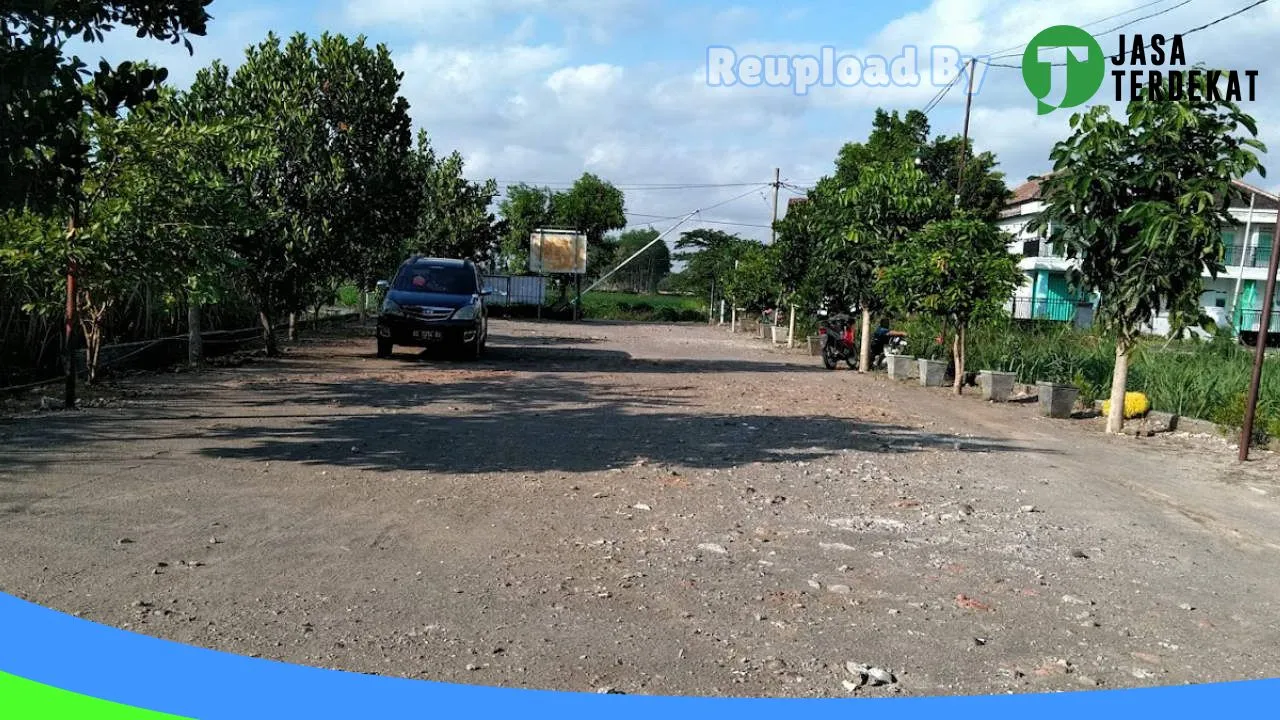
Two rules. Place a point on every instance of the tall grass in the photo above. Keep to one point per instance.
(1206, 380)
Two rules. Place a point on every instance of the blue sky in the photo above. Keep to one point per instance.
(542, 90)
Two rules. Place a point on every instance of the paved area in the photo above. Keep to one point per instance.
(654, 509)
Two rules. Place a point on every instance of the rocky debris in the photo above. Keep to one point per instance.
(1073, 600)
(968, 603)
(869, 674)
(713, 548)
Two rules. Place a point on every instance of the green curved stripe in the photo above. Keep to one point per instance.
(22, 699)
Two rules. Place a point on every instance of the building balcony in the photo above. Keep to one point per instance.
(1251, 321)
(1256, 257)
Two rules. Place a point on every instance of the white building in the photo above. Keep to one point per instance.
(1233, 299)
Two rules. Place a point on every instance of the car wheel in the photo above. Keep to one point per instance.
(384, 348)
(472, 350)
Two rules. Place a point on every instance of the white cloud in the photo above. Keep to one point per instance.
(584, 80)
(595, 19)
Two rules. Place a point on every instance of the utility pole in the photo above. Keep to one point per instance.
(777, 184)
(1255, 385)
(964, 143)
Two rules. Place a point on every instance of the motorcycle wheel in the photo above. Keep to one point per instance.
(830, 358)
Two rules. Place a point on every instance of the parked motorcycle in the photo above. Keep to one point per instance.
(840, 342)
(836, 333)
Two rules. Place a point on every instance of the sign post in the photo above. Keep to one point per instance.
(560, 252)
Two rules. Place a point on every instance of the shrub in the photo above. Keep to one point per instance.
(1136, 405)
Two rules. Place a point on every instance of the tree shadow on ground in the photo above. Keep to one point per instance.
(541, 416)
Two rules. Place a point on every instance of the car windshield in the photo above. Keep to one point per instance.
(436, 279)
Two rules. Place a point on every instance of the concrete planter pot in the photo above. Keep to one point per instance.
(1057, 401)
(761, 331)
(933, 373)
(779, 334)
(996, 386)
(902, 367)
(815, 345)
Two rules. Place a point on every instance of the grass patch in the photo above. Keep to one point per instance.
(643, 308)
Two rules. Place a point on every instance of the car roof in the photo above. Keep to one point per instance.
(446, 262)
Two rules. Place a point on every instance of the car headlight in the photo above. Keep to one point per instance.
(390, 307)
(466, 312)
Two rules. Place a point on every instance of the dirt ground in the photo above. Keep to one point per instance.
(653, 509)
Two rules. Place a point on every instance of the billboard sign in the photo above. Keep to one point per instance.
(558, 252)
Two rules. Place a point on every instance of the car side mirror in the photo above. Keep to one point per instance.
(383, 285)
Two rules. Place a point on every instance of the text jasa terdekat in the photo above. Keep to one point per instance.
(1138, 55)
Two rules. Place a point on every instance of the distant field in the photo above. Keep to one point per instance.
(653, 308)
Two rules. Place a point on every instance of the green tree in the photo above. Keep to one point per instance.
(592, 206)
(647, 270)
(455, 220)
(958, 270)
(888, 203)
(335, 192)
(523, 210)
(43, 149)
(708, 256)
(1141, 203)
(752, 282)
(897, 138)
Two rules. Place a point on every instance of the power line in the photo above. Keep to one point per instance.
(1021, 48)
(709, 221)
(942, 94)
(627, 186)
(1188, 32)
(1224, 17)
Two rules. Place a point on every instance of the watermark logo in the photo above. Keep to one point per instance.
(803, 73)
(1063, 67)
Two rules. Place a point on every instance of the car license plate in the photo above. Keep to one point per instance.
(426, 334)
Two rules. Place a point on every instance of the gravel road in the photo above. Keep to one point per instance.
(652, 509)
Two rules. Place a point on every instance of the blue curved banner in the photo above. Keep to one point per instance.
(50, 650)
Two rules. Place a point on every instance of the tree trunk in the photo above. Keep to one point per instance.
(69, 330)
(364, 304)
(959, 352)
(1115, 420)
(293, 326)
(195, 334)
(864, 361)
(315, 318)
(269, 339)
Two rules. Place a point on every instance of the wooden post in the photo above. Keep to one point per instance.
(195, 337)
(577, 307)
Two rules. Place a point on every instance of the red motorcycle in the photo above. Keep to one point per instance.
(838, 343)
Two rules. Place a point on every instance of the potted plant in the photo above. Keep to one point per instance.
(997, 385)
(931, 359)
(1058, 394)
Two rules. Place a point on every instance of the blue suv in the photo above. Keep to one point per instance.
(434, 302)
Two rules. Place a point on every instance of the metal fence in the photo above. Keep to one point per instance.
(1256, 257)
(1023, 308)
(515, 290)
(1251, 320)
